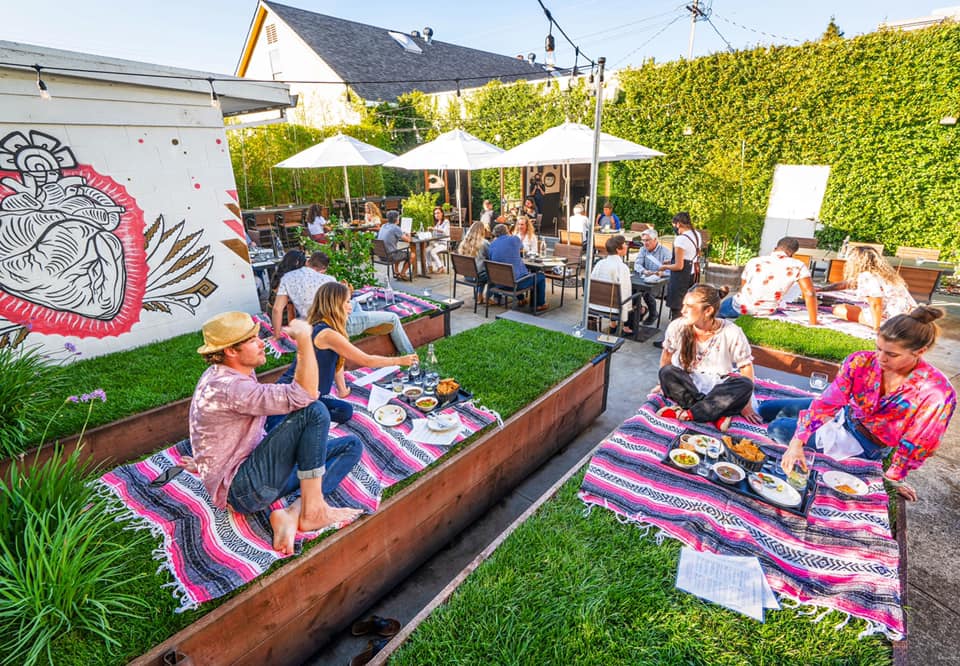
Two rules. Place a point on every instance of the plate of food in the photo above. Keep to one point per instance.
(845, 483)
(426, 403)
(700, 443)
(684, 459)
(443, 422)
(389, 415)
(774, 489)
(728, 472)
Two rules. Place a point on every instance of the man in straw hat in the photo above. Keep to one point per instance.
(242, 466)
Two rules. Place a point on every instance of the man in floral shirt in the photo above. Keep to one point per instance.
(767, 282)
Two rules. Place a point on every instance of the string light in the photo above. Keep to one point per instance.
(214, 97)
(41, 86)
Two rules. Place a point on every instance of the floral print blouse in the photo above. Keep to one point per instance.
(912, 419)
(766, 280)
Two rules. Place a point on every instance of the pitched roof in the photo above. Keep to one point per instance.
(360, 53)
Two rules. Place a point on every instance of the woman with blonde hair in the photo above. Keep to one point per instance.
(441, 226)
(328, 315)
(527, 234)
(475, 244)
(875, 283)
(372, 214)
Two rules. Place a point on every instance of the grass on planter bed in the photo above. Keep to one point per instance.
(505, 364)
(821, 343)
(565, 589)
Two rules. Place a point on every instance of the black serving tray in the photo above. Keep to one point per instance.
(771, 466)
(460, 396)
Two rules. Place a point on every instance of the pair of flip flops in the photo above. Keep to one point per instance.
(382, 626)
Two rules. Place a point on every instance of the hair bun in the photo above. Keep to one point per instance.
(926, 314)
(723, 291)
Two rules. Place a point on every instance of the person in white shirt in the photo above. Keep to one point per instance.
(441, 226)
(612, 268)
(527, 234)
(488, 217)
(686, 254)
(578, 221)
(316, 224)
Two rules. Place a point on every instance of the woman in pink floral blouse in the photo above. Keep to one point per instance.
(888, 399)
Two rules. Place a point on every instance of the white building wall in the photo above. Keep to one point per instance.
(73, 271)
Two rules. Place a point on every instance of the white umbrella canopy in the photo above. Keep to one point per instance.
(456, 149)
(570, 143)
(339, 150)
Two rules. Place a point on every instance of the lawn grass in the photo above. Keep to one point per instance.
(569, 589)
(821, 343)
(505, 364)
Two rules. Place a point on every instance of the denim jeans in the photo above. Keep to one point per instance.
(340, 411)
(728, 398)
(299, 442)
(727, 309)
(782, 416)
(541, 285)
(360, 320)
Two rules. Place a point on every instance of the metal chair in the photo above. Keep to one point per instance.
(570, 275)
(380, 257)
(456, 235)
(500, 281)
(465, 272)
(606, 302)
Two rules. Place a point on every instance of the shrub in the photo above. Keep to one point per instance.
(420, 208)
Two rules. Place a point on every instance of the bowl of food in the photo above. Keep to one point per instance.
(684, 459)
(745, 454)
(447, 389)
(426, 403)
(728, 472)
(412, 393)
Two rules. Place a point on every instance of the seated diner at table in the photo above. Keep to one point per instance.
(372, 215)
(328, 316)
(476, 245)
(441, 226)
(706, 367)
(769, 281)
(653, 254)
(529, 208)
(613, 269)
(508, 249)
(608, 219)
(316, 223)
(527, 235)
(874, 282)
(391, 234)
(886, 400)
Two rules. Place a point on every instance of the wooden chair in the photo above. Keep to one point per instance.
(600, 244)
(500, 281)
(380, 257)
(570, 275)
(465, 273)
(667, 242)
(906, 252)
(921, 282)
(266, 229)
(835, 270)
(807, 243)
(456, 235)
(876, 246)
(290, 221)
(571, 237)
(606, 302)
(805, 258)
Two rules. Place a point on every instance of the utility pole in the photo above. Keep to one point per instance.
(697, 13)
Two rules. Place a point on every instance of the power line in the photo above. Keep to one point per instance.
(729, 45)
(657, 34)
(755, 30)
(623, 26)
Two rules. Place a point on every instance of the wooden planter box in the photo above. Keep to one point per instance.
(136, 436)
(794, 364)
(283, 617)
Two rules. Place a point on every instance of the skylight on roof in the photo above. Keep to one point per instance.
(405, 41)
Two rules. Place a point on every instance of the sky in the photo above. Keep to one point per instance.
(208, 34)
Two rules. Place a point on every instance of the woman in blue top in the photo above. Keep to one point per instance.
(328, 316)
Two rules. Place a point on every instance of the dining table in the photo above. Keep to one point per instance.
(418, 246)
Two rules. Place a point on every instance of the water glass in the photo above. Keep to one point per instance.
(819, 381)
(415, 375)
(798, 476)
(388, 295)
(703, 467)
(397, 384)
(714, 449)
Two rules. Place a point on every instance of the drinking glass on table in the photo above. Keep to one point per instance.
(397, 384)
(714, 448)
(819, 381)
(415, 373)
(799, 475)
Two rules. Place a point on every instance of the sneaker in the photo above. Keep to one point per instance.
(658, 344)
(723, 423)
(650, 320)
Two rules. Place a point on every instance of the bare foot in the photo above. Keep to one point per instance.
(326, 515)
(284, 524)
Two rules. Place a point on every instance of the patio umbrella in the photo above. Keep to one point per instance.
(455, 149)
(339, 150)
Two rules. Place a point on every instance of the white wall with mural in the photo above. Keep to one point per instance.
(119, 220)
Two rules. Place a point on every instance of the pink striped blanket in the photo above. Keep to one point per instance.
(211, 552)
(842, 556)
(797, 314)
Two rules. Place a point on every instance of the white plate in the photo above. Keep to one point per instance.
(781, 493)
(834, 479)
(389, 415)
(701, 442)
(443, 422)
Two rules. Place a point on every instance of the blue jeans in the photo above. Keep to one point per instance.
(727, 309)
(541, 285)
(341, 411)
(298, 443)
(782, 416)
(360, 320)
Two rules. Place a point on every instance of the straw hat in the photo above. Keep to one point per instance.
(227, 329)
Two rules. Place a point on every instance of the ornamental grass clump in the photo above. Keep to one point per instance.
(63, 559)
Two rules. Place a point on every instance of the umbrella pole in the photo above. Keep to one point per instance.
(460, 218)
(346, 191)
(594, 171)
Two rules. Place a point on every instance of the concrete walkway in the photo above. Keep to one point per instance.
(933, 521)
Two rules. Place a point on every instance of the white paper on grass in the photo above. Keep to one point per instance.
(421, 432)
(376, 375)
(379, 396)
(737, 583)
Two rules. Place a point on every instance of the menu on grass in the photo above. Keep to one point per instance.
(737, 583)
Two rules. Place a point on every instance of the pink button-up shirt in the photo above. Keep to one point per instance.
(227, 415)
(912, 419)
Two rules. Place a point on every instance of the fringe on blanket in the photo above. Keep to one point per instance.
(114, 505)
(786, 602)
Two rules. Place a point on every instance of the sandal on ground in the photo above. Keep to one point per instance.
(384, 626)
(373, 647)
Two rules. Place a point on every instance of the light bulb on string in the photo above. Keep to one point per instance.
(41, 85)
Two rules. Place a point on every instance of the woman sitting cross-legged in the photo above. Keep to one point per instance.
(886, 400)
(328, 316)
(706, 366)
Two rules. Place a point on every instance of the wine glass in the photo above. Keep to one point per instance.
(819, 381)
